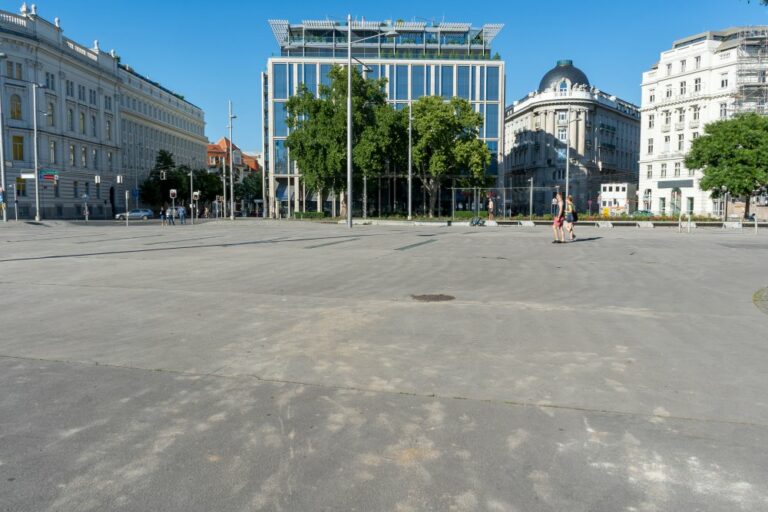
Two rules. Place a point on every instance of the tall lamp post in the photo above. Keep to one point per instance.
(231, 167)
(3, 191)
(390, 33)
(410, 162)
(35, 87)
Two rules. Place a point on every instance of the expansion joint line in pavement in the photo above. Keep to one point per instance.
(357, 389)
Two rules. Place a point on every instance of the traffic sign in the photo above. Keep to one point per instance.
(173, 193)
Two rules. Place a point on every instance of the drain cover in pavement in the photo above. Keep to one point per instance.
(760, 298)
(433, 298)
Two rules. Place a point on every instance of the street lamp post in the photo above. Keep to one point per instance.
(390, 33)
(3, 191)
(34, 127)
(530, 199)
(231, 167)
(410, 162)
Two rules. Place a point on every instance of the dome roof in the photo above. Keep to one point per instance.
(565, 70)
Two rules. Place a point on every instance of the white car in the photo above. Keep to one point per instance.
(136, 214)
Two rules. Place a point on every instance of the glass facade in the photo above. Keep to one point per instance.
(479, 82)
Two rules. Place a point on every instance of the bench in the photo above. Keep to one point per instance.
(731, 225)
(604, 224)
(645, 224)
(527, 224)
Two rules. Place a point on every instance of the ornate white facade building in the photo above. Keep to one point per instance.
(702, 78)
(96, 120)
(602, 130)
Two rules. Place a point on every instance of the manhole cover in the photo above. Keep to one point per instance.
(433, 298)
(760, 298)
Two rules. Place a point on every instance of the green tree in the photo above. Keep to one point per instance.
(733, 155)
(153, 189)
(318, 129)
(249, 188)
(445, 142)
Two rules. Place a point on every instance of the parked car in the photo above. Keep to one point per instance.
(136, 214)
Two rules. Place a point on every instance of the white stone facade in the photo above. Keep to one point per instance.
(603, 132)
(695, 82)
(92, 112)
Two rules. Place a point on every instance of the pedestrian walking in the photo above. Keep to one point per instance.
(557, 223)
(182, 215)
(163, 221)
(491, 210)
(170, 214)
(570, 217)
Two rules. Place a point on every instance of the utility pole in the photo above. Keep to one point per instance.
(530, 200)
(231, 167)
(37, 176)
(410, 162)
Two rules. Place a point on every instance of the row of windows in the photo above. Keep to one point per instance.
(698, 87)
(675, 203)
(77, 156)
(50, 114)
(405, 82)
(680, 115)
(683, 65)
(160, 114)
(21, 189)
(668, 142)
(15, 70)
(663, 171)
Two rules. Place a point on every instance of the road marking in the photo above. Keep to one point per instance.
(331, 243)
(425, 242)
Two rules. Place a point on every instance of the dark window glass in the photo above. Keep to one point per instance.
(417, 82)
(281, 128)
(493, 84)
(493, 147)
(446, 81)
(401, 83)
(324, 70)
(281, 157)
(428, 92)
(310, 77)
(462, 86)
(482, 84)
(280, 81)
(472, 86)
(492, 120)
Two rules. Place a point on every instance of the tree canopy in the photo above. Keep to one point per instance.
(733, 155)
(154, 191)
(445, 142)
(318, 129)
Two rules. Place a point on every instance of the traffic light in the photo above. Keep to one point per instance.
(162, 175)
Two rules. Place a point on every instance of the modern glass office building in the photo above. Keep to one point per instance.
(424, 59)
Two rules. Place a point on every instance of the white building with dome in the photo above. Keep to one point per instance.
(603, 132)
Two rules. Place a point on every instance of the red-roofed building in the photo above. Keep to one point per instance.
(218, 155)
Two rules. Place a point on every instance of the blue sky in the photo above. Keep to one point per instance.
(214, 51)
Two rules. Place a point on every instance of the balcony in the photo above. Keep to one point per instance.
(665, 128)
(693, 124)
(680, 126)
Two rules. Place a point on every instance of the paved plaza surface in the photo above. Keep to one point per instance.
(286, 366)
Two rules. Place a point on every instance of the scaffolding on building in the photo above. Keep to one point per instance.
(752, 72)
